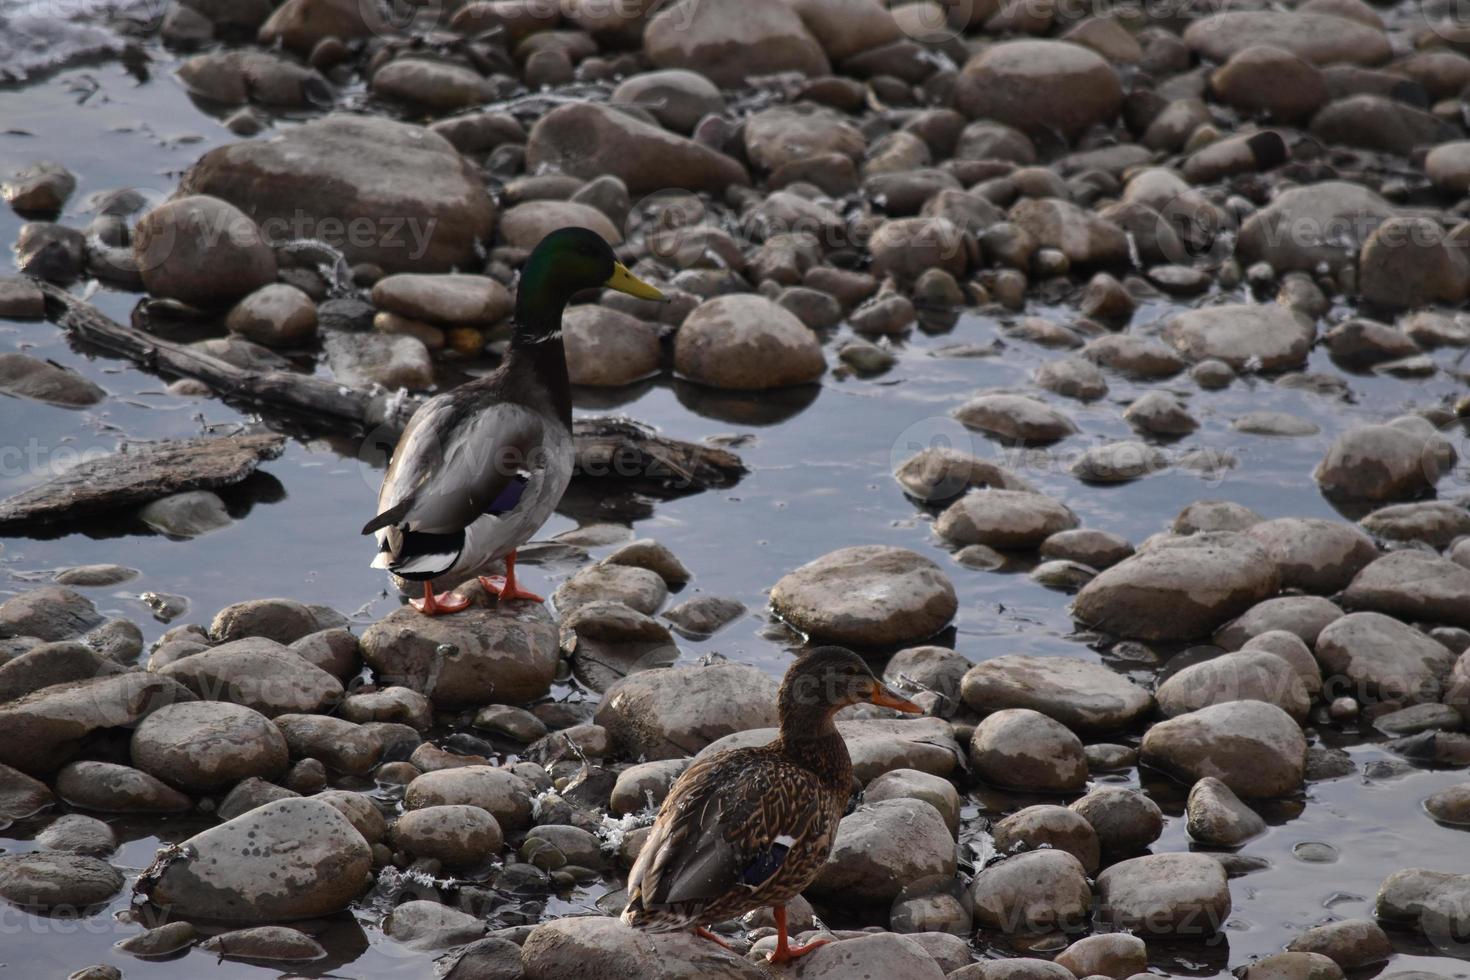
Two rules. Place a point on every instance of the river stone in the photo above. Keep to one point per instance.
(1294, 650)
(454, 835)
(1040, 87)
(277, 944)
(45, 729)
(1314, 555)
(106, 787)
(258, 673)
(524, 225)
(1373, 657)
(1084, 696)
(1118, 462)
(205, 745)
(609, 949)
(503, 794)
(1015, 418)
(275, 315)
(1048, 825)
(608, 348)
(1410, 261)
(1022, 749)
(746, 342)
(1253, 747)
(940, 473)
(56, 881)
(1009, 519)
(432, 86)
(906, 248)
(336, 742)
(161, 940)
(1301, 966)
(1350, 943)
(1125, 820)
(29, 377)
(78, 834)
(202, 250)
(1012, 968)
(425, 924)
(1180, 592)
(1250, 675)
(1217, 817)
(1437, 523)
(588, 141)
(1032, 892)
(938, 670)
(1304, 616)
(644, 786)
(21, 796)
(289, 859)
(868, 595)
(1084, 237)
(727, 46)
(900, 784)
(503, 655)
(1264, 336)
(678, 99)
(52, 663)
(1450, 806)
(340, 175)
(671, 712)
(1320, 38)
(462, 300)
(1185, 895)
(1245, 83)
(48, 613)
(1413, 585)
(1304, 227)
(876, 745)
(882, 846)
(282, 620)
(1382, 462)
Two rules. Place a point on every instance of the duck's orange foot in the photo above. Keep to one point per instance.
(440, 604)
(787, 953)
(704, 933)
(497, 586)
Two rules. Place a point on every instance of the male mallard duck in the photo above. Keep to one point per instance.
(480, 468)
(751, 827)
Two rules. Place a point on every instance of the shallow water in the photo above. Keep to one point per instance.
(820, 478)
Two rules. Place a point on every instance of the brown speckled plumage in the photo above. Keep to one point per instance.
(751, 827)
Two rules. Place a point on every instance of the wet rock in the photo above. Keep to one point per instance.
(456, 835)
(1264, 337)
(205, 745)
(1292, 649)
(747, 342)
(1320, 38)
(335, 742)
(1171, 894)
(21, 299)
(276, 315)
(1435, 522)
(938, 670)
(1040, 87)
(881, 846)
(56, 881)
(1057, 827)
(1292, 966)
(1374, 657)
(341, 172)
(282, 620)
(645, 785)
(1409, 261)
(432, 86)
(202, 251)
(1085, 238)
(611, 950)
(396, 705)
(1306, 226)
(876, 745)
(1239, 83)
(704, 616)
(677, 98)
(395, 361)
(673, 712)
(869, 595)
(161, 941)
(1015, 418)
(1179, 592)
(1011, 519)
(1014, 968)
(938, 474)
(1350, 943)
(424, 924)
(46, 728)
(1116, 955)
(1376, 122)
(42, 187)
(1413, 585)
(110, 788)
(258, 673)
(1118, 462)
(21, 796)
(767, 37)
(95, 575)
(333, 650)
(637, 588)
(1450, 806)
(78, 834)
(1023, 749)
(478, 656)
(1032, 892)
(1252, 747)
(500, 792)
(290, 859)
(450, 299)
(50, 251)
(1250, 675)
(608, 348)
(275, 944)
(249, 794)
(1217, 816)
(898, 784)
(51, 663)
(48, 613)
(588, 141)
(1303, 616)
(907, 248)
(1316, 556)
(1084, 696)
(28, 377)
(1072, 377)
(1160, 413)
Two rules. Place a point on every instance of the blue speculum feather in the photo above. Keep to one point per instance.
(767, 862)
(506, 500)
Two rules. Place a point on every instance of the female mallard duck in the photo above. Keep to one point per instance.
(480, 468)
(751, 827)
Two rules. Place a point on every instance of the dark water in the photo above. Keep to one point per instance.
(821, 466)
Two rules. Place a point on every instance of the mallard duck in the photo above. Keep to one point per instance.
(480, 468)
(750, 827)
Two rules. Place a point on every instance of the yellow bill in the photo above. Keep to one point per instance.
(625, 282)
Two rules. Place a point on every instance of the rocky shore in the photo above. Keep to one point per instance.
(1160, 209)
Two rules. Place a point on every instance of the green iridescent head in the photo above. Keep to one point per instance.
(564, 263)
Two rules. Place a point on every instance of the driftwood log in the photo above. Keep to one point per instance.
(607, 448)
